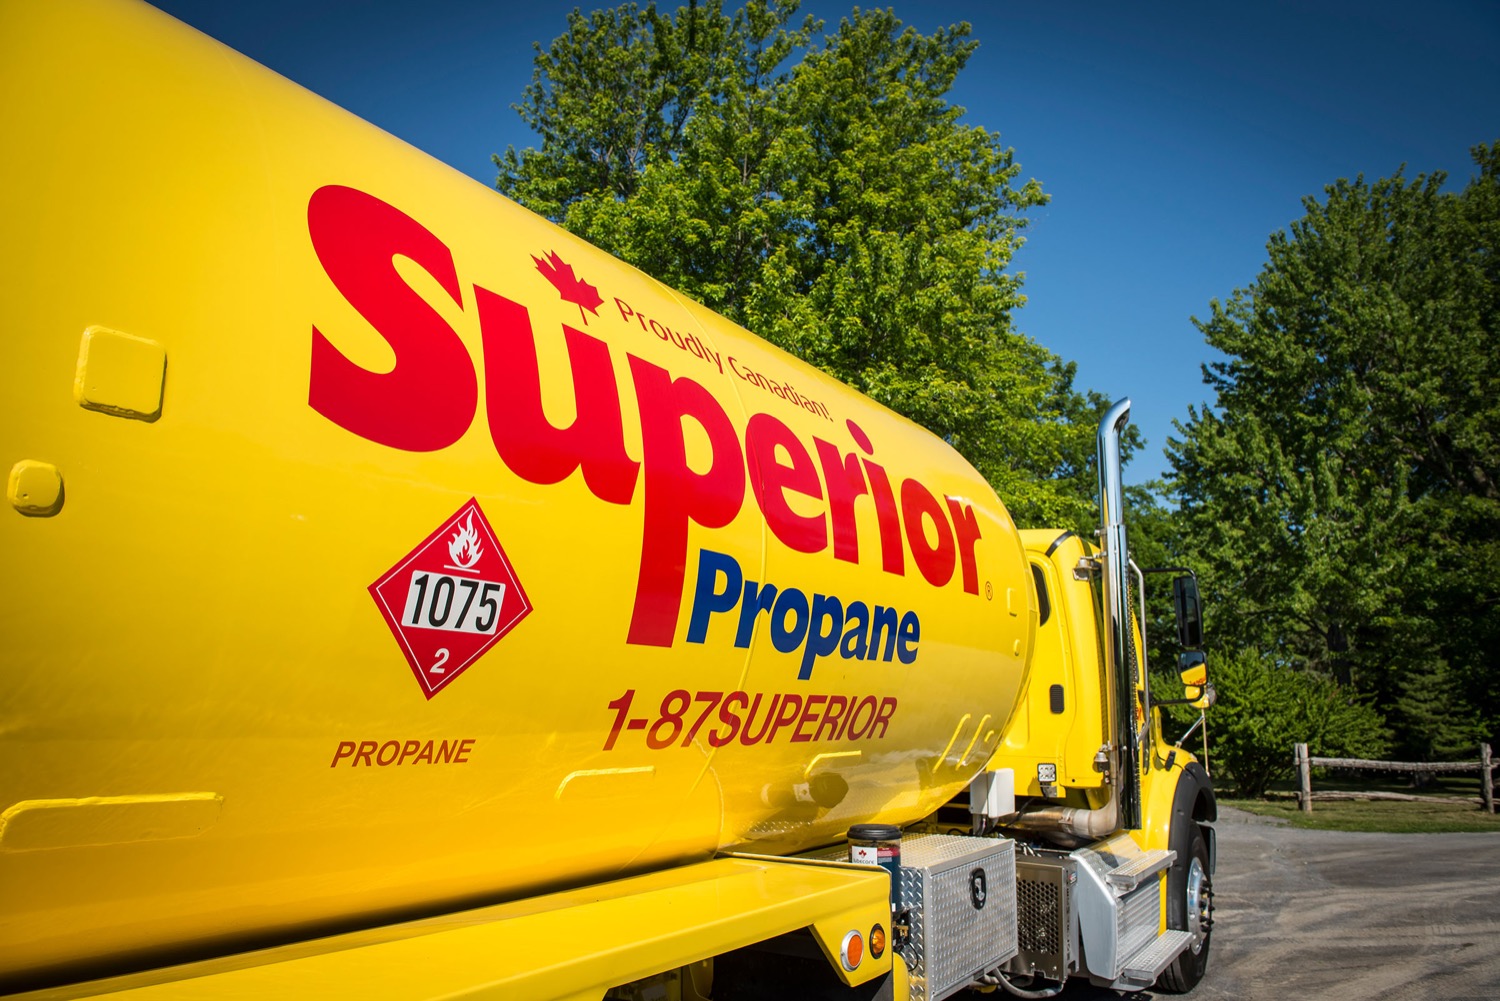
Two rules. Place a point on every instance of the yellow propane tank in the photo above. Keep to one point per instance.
(375, 547)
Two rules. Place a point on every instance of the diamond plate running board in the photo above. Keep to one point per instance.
(1142, 969)
(1130, 875)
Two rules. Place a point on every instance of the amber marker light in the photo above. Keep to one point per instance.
(852, 951)
(877, 942)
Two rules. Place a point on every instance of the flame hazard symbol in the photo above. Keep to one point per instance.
(572, 288)
(465, 548)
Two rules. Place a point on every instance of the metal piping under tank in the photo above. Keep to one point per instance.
(1075, 821)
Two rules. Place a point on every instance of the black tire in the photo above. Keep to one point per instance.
(1189, 875)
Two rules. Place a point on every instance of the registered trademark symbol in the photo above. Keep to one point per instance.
(989, 591)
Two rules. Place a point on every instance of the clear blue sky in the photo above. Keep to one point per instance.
(1174, 138)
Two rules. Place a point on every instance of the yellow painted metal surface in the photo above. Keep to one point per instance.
(1158, 792)
(119, 374)
(1065, 654)
(575, 944)
(35, 488)
(96, 821)
(431, 573)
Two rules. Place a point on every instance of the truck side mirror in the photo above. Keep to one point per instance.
(1192, 668)
(1189, 612)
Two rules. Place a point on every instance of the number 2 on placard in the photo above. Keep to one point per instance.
(442, 658)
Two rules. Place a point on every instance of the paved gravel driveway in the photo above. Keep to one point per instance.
(1330, 916)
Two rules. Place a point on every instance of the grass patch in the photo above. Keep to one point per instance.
(1431, 815)
(1378, 816)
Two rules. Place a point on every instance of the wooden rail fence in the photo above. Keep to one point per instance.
(1485, 766)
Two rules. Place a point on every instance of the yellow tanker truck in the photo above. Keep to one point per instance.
(405, 599)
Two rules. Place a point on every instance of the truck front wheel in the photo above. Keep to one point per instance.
(1190, 907)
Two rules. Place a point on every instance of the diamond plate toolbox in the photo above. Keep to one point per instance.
(961, 894)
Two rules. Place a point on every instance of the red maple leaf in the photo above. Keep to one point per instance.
(569, 286)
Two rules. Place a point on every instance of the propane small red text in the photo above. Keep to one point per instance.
(383, 753)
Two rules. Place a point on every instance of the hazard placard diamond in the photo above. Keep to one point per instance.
(451, 598)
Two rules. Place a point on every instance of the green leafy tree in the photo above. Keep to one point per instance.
(818, 188)
(1155, 543)
(1434, 722)
(1343, 493)
(1265, 708)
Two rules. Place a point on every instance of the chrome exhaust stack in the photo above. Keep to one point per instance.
(1123, 752)
(1120, 652)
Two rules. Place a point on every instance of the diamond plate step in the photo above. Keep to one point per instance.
(1144, 967)
(1130, 875)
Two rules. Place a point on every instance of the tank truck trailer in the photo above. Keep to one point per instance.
(405, 599)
